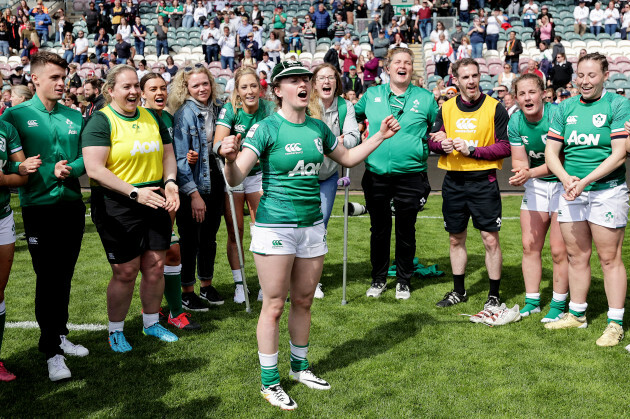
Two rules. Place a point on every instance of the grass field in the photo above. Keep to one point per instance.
(384, 358)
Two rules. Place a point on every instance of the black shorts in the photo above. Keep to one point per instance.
(127, 228)
(467, 194)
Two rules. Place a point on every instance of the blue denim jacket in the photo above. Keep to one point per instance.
(189, 133)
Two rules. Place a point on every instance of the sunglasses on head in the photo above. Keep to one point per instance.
(189, 68)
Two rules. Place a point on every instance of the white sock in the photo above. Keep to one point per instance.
(236, 274)
(299, 352)
(560, 297)
(613, 313)
(532, 295)
(172, 270)
(3, 308)
(268, 361)
(577, 307)
(116, 326)
(150, 319)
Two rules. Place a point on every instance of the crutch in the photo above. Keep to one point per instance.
(345, 182)
(236, 232)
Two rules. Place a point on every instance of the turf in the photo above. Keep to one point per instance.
(384, 358)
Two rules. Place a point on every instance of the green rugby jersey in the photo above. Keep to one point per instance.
(9, 144)
(241, 121)
(407, 150)
(291, 156)
(533, 136)
(587, 130)
(55, 136)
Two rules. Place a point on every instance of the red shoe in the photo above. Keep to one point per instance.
(6, 375)
(182, 322)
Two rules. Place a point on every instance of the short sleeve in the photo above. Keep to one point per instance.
(257, 139)
(329, 141)
(621, 114)
(97, 131)
(433, 112)
(556, 129)
(513, 134)
(359, 108)
(226, 116)
(13, 139)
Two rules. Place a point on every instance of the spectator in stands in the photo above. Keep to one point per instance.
(309, 34)
(464, 50)
(349, 57)
(248, 60)
(500, 91)
(272, 47)
(439, 29)
(544, 11)
(443, 8)
(546, 30)
(279, 20)
(370, 70)
(322, 21)
(596, 17)
(374, 28)
(19, 94)
(397, 41)
(61, 26)
(339, 28)
(90, 16)
(188, 19)
(142, 70)
(556, 48)
(352, 82)
(71, 101)
(175, 14)
(442, 52)
(210, 37)
(18, 77)
(124, 29)
(117, 14)
(124, 50)
(165, 74)
(424, 19)
(131, 11)
(561, 73)
(513, 50)
(160, 10)
(387, 12)
(161, 37)
(257, 15)
(42, 22)
(104, 19)
(200, 14)
(580, 16)
(509, 102)
(456, 37)
(562, 95)
(332, 56)
(4, 40)
(92, 90)
(73, 80)
(295, 40)
(243, 30)
(227, 43)
(532, 68)
(265, 65)
(381, 45)
(361, 10)
(477, 37)
(68, 47)
(549, 95)
(506, 77)
(80, 48)
(139, 33)
(625, 20)
(14, 33)
(514, 7)
(492, 30)
(611, 17)
(171, 67)
(530, 12)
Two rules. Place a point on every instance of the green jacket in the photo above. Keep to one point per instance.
(407, 150)
(54, 136)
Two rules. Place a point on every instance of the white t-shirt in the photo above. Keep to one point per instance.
(142, 73)
(273, 45)
(625, 21)
(611, 16)
(81, 46)
(125, 32)
(265, 66)
(580, 14)
(596, 17)
(463, 5)
(210, 40)
(494, 25)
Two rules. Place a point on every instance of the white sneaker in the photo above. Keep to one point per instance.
(376, 290)
(70, 348)
(57, 369)
(504, 316)
(318, 291)
(486, 313)
(402, 292)
(309, 379)
(260, 294)
(239, 294)
(278, 397)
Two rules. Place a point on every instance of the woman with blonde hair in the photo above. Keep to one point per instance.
(326, 104)
(236, 118)
(128, 154)
(19, 94)
(193, 99)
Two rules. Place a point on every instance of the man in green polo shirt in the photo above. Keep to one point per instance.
(52, 206)
(397, 169)
(279, 24)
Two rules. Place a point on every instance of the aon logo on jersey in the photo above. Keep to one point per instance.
(535, 155)
(583, 139)
(145, 147)
(310, 169)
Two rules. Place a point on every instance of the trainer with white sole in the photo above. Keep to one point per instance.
(52, 205)
(527, 131)
(129, 157)
(586, 149)
(289, 238)
(396, 171)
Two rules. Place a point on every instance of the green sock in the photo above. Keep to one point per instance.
(556, 308)
(269, 374)
(615, 315)
(173, 289)
(530, 304)
(3, 316)
(619, 322)
(298, 357)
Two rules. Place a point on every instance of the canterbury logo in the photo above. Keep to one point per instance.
(32, 123)
(293, 148)
(276, 242)
(466, 123)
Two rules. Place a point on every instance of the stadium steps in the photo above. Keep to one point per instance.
(418, 63)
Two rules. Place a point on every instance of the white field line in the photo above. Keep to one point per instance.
(78, 327)
(428, 217)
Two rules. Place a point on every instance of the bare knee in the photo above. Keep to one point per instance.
(273, 309)
(125, 273)
(531, 247)
(558, 253)
(490, 241)
(173, 257)
(302, 303)
(457, 240)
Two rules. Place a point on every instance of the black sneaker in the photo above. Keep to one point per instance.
(211, 295)
(452, 298)
(492, 301)
(192, 302)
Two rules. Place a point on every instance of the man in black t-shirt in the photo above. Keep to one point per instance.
(91, 18)
(124, 50)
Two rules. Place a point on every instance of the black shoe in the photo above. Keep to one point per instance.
(452, 298)
(192, 302)
(211, 295)
(492, 301)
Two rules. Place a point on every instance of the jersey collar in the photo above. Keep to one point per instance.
(37, 104)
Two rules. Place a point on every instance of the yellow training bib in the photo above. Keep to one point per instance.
(476, 128)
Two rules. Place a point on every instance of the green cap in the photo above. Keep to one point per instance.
(289, 68)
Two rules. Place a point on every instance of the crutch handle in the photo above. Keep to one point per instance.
(344, 181)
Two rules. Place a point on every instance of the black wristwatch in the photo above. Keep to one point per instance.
(471, 150)
(134, 194)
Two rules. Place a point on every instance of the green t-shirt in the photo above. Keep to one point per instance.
(179, 8)
(587, 130)
(291, 156)
(407, 151)
(162, 12)
(533, 136)
(167, 119)
(9, 144)
(55, 136)
(277, 23)
(241, 121)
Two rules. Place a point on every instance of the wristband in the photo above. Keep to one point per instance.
(215, 147)
(168, 181)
